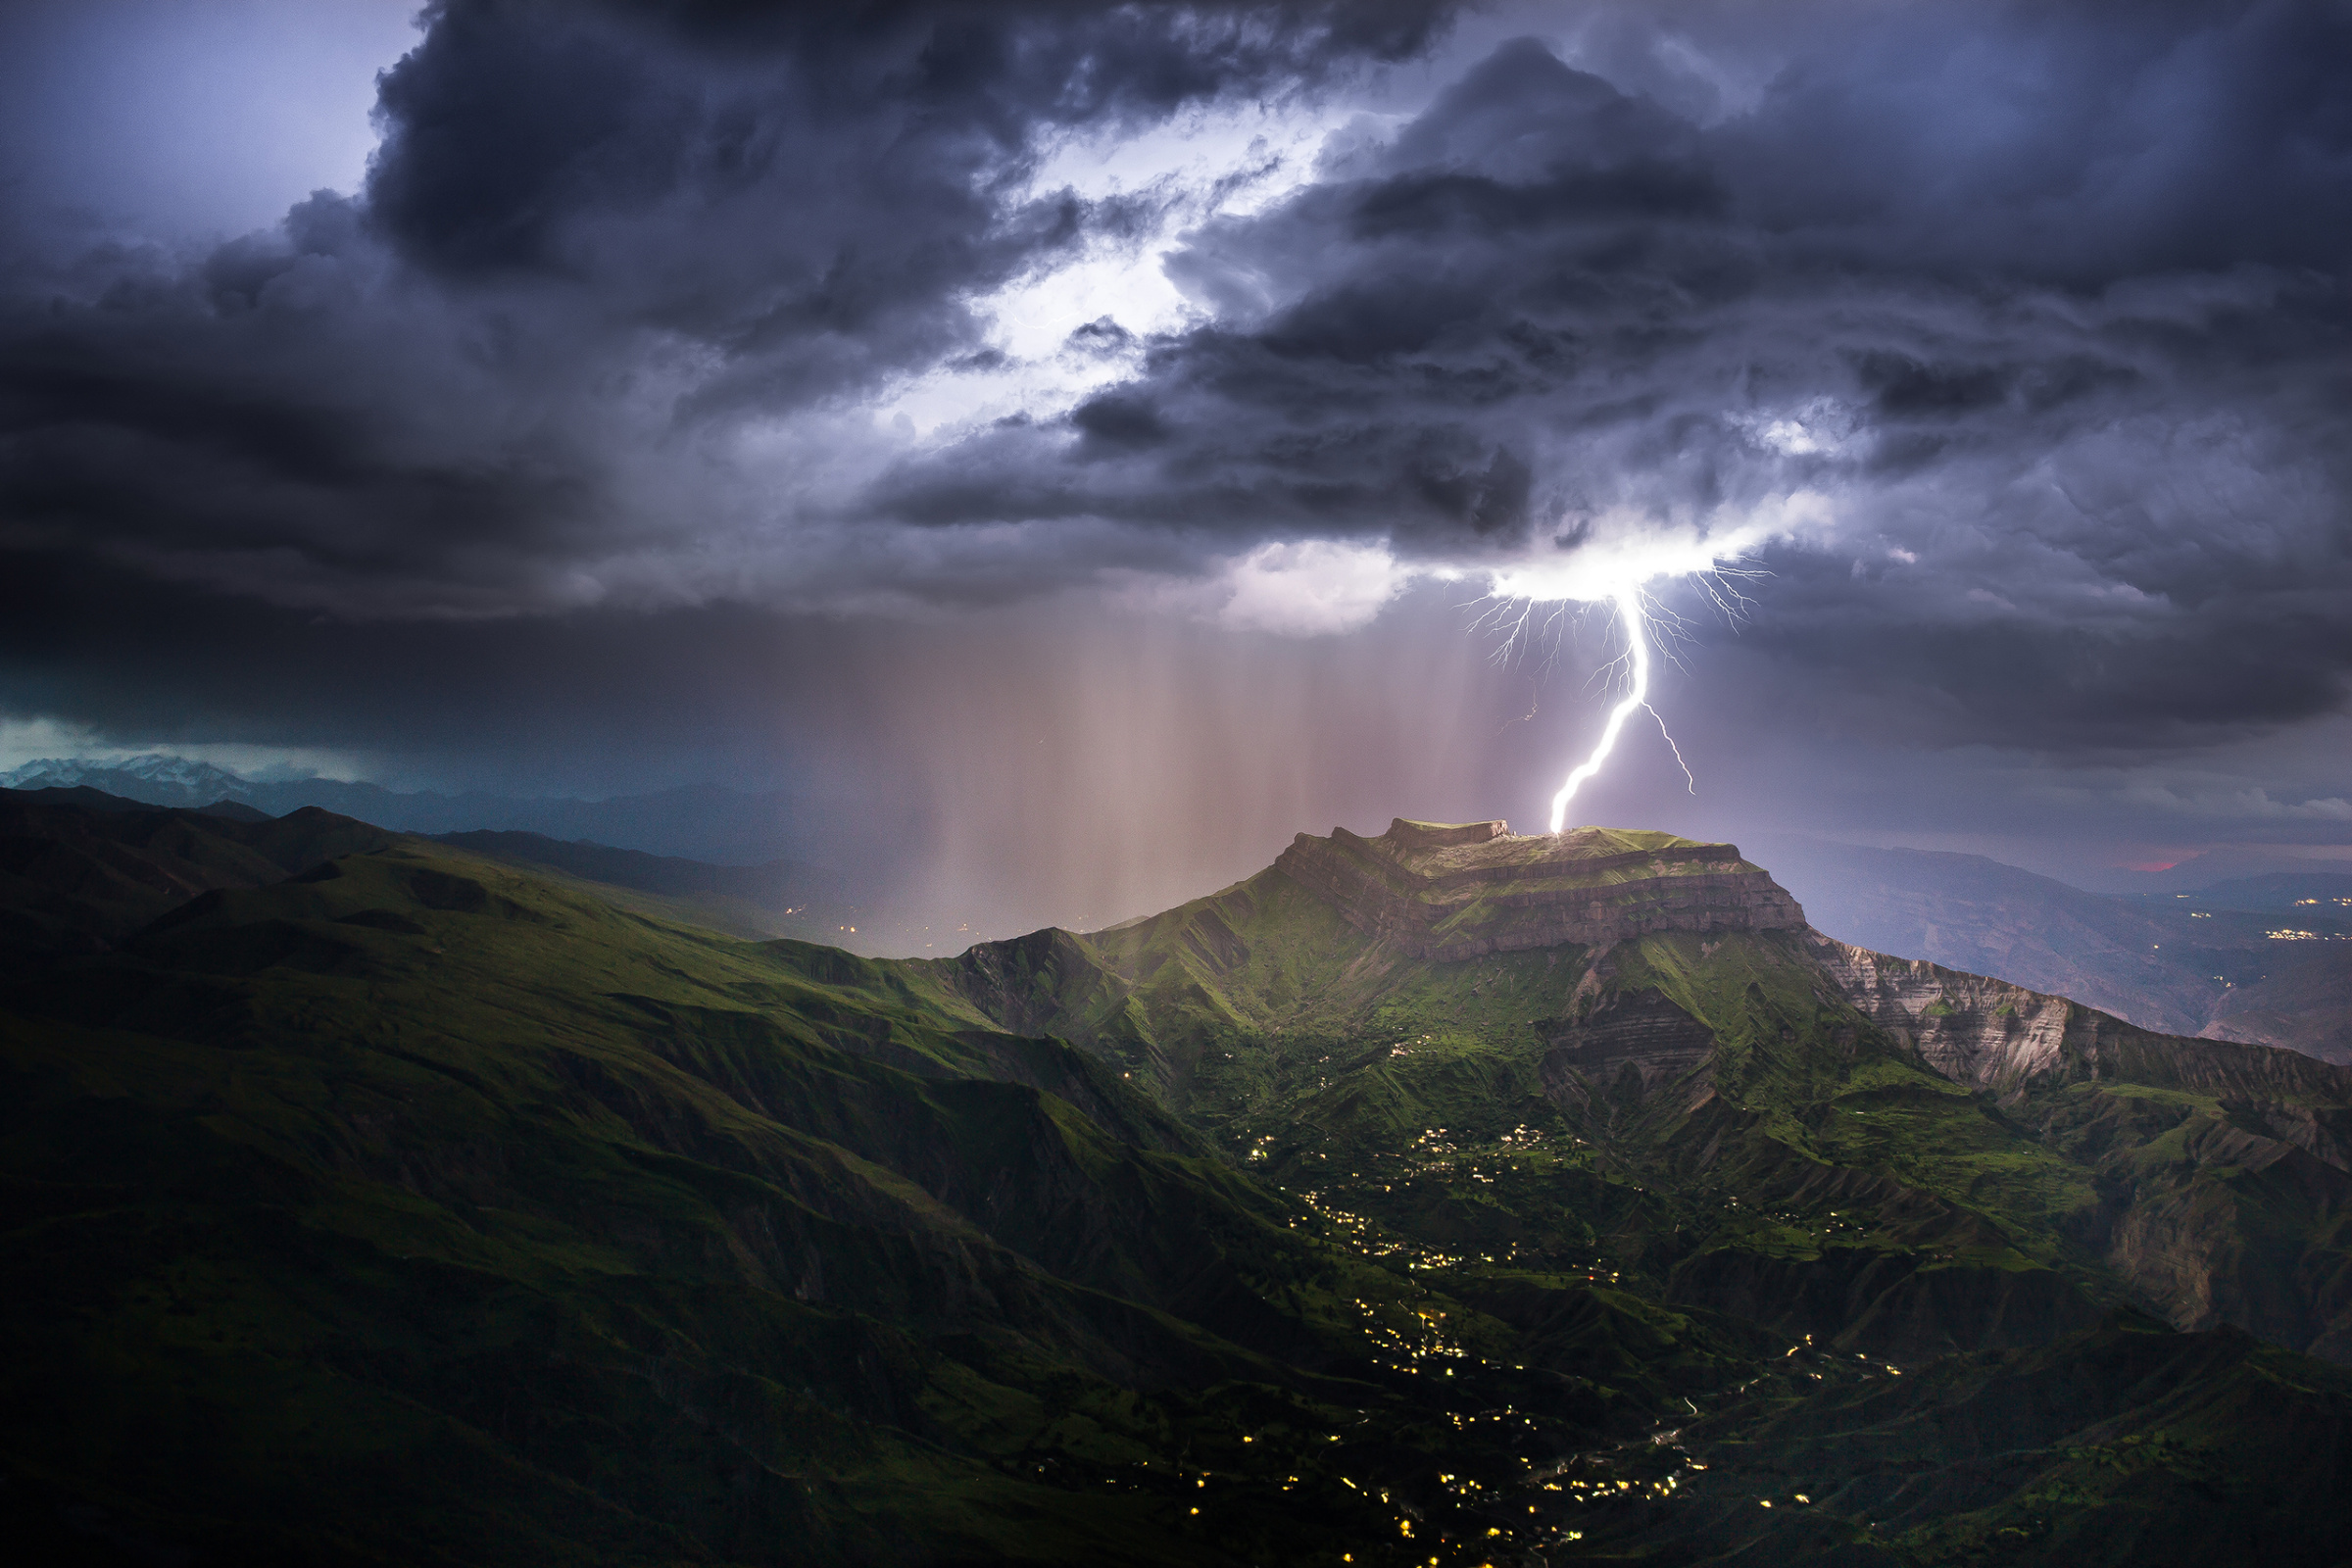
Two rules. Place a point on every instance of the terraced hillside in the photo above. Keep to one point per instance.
(416, 1208)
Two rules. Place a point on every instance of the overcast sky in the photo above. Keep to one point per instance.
(1069, 448)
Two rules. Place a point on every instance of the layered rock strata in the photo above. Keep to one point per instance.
(1992, 1035)
(1970, 1028)
(1628, 1044)
(1463, 890)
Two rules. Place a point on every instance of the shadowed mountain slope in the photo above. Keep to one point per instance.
(543, 1229)
(80, 869)
(416, 1208)
(778, 899)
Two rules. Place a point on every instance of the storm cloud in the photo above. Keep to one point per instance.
(2009, 346)
(598, 324)
(2028, 350)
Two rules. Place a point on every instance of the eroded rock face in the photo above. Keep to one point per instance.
(2213, 1161)
(1625, 1047)
(1970, 1028)
(1994, 1035)
(1463, 890)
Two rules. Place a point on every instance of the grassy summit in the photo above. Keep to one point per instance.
(417, 1208)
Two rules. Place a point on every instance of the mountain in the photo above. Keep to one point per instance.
(1439, 1196)
(80, 871)
(85, 868)
(696, 821)
(2214, 961)
(1663, 997)
(94, 799)
(156, 778)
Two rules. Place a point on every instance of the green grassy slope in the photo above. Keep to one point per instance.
(1528, 1136)
(1793, 1151)
(417, 1208)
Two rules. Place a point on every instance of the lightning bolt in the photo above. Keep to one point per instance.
(1636, 640)
(1529, 597)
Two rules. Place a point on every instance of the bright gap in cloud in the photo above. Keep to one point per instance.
(1232, 160)
(1313, 588)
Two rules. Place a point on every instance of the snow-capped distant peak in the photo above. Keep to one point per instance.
(157, 776)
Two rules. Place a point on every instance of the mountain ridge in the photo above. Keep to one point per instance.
(1465, 890)
(704, 822)
(2201, 962)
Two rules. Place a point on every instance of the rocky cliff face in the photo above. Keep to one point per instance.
(1994, 1035)
(2220, 1167)
(1449, 891)
(1972, 1029)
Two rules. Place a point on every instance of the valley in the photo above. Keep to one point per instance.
(1440, 1196)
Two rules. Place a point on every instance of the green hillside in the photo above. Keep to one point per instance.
(417, 1207)
(414, 1208)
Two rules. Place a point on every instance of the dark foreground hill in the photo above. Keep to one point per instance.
(1442, 1197)
(80, 869)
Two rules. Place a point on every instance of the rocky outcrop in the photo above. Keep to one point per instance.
(2217, 1193)
(1994, 1035)
(1972, 1029)
(1630, 1043)
(1452, 891)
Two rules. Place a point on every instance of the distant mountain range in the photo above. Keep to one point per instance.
(697, 822)
(2264, 959)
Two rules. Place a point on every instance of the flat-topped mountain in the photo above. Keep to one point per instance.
(1460, 890)
(1665, 1000)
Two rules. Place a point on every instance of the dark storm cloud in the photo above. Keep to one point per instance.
(596, 245)
(2023, 327)
(2042, 311)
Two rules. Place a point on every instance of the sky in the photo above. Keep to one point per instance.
(1067, 450)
